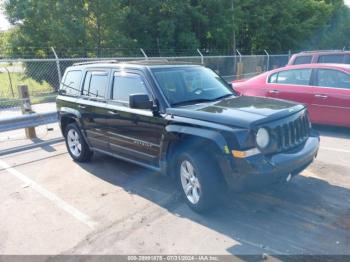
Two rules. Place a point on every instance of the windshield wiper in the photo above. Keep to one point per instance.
(194, 101)
(224, 96)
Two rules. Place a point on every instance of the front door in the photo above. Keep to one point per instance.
(293, 85)
(133, 133)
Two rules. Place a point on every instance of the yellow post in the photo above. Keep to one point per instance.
(240, 70)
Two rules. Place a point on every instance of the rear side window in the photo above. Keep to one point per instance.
(299, 60)
(331, 59)
(347, 59)
(125, 85)
(293, 77)
(332, 78)
(71, 83)
(95, 84)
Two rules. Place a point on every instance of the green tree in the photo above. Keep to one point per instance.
(80, 28)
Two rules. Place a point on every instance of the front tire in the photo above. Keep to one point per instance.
(76, 144)
(198, 179)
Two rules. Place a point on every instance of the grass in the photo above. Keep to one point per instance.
(20, 79)
(10, 102)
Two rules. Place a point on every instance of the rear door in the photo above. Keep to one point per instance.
(92, 106)
(332, 97)
(133, 133)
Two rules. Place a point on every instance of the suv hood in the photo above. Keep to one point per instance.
(240, 111)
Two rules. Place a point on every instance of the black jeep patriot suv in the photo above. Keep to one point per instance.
(183, 121)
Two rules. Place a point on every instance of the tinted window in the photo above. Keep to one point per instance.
(331, 59)
(302, 60)
(125, 85)
(294, 77)
(95, 84)
(332, 78)
(347, 59)
(71, 83)
(190, 84)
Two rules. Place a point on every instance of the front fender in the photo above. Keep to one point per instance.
(173, 132)
(211, 135)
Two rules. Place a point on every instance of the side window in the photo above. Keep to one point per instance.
(125, 85)
(86, 84)
(294, 77)
(347, 59)
(331, 59)
(95, 84)
(299, 60)
(71, 83)
(273, 78)
(332, 78)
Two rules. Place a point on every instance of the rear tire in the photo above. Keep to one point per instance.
(76, 144)
(199, 181)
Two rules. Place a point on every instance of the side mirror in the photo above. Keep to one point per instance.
(140, 101)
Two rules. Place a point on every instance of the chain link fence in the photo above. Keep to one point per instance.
(42, 75)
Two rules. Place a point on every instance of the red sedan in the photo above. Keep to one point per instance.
(324, 88)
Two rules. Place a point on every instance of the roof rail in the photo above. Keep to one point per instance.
(96, 62)
(147, 62)
(136, 62)
(159, 61)
(314, 51)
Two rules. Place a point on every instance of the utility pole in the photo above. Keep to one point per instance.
(158, 46)
(235, 68)
(233, 27)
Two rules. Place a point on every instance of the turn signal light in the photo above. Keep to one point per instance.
(247, 153)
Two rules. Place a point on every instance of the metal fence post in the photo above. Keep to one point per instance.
(10, 79)
(240, 55)
(26, 108)
(268, 60)
(58, 65)
(144, 53)
(202, 57)
(240, 66)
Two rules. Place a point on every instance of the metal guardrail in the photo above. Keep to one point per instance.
(28, 120)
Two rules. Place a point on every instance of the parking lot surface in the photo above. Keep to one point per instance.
(52, 205)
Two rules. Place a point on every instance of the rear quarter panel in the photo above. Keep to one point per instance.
(255, 86)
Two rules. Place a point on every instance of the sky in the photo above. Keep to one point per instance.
(4, 24)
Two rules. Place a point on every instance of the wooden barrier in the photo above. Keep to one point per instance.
(26, 108)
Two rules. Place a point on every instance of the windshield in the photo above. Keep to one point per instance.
(186, 85)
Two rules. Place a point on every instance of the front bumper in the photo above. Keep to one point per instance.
(260, 170)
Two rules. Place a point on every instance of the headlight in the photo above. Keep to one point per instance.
(262, 138)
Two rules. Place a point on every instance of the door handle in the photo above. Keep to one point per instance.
(111, 112)
(274, 91)
(81, 106)
(321, 96)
